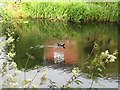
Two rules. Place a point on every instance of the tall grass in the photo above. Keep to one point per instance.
(73, 11)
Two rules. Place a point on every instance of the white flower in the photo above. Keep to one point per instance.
(75, 71)
(9, 85)
(116, 52)
(108, 57)
(45, 71)
(9, 77)
(15, 79)
(14, 85)
(24, 83)
(11, 54)
(2, 43)
(43, 77)
(10, 67)
(17, 72)
(29, 80)
(10, 40)
(106, 52)
(111, 58)
(13, 65)
(104, 55)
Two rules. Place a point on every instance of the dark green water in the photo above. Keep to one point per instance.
(80, 39)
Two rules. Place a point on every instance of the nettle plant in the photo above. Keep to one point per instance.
(93, 68)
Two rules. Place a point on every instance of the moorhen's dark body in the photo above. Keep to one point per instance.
(61, 45)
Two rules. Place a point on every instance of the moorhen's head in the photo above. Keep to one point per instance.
(62, 45)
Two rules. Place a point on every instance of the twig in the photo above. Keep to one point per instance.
(75, 77)
(88, 56)
(91, 83)
(25, 70)
(72, 79)
(33, 79)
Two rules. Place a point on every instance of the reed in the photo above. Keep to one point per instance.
(73, 11)
(66, 11)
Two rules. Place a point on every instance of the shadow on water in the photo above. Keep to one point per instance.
(78, 38)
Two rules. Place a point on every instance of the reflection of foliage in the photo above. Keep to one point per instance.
(30, 56)
(35, 57)
(94, 68)
(12, 33)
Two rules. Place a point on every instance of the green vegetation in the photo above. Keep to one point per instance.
(22, 36)
(45, 32)
(67, 11)
(97, 65)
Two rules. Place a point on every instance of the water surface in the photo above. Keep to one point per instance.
(38, 42)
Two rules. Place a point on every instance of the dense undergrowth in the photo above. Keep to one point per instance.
(67, 11)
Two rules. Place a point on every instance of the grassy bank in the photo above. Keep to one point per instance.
(68, 11)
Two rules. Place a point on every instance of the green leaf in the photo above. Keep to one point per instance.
(26, 22)
(4, 65)
(96, 81)
(100, 75)
(54, 86)
(99, 69)
(78, 82)
(103, 66)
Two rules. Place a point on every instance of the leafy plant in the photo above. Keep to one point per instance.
(73, 11)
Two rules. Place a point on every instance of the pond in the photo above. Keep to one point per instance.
(60, 46)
